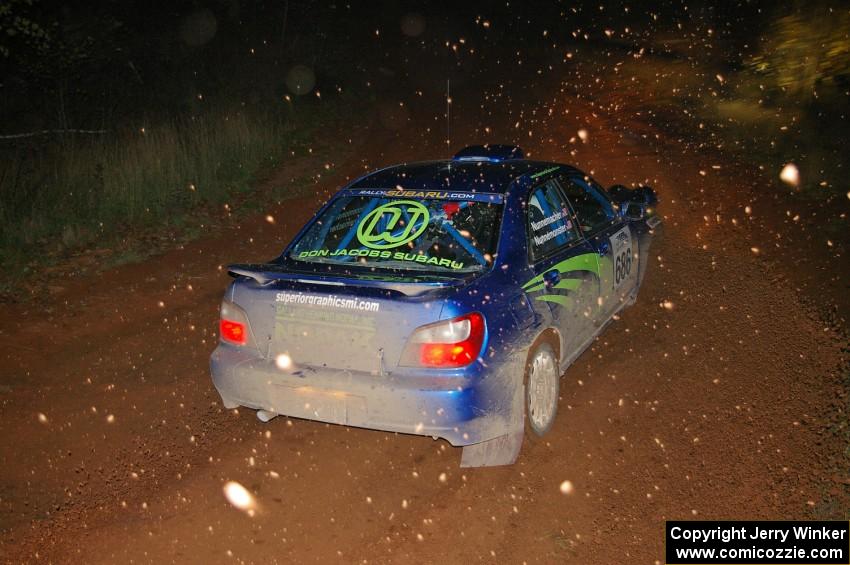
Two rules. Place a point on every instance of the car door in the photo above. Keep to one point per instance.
(609, 236)
(564, 265)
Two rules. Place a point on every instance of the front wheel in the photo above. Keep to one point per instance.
(542, 376)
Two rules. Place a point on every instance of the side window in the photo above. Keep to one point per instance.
(550, 224)
(593, 209)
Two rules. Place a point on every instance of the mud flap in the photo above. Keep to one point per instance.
(502, 450)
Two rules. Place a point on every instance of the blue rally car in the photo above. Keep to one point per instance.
(442, 298)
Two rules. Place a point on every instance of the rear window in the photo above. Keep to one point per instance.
(405, 230)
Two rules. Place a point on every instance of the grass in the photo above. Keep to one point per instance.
(75, 192)
(71, 191)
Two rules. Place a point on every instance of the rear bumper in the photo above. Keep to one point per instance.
(461, 410)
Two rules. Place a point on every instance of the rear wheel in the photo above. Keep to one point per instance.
(542, 376)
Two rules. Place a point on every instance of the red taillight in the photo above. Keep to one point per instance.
(449, 344)
(234, 332)
(233, 324)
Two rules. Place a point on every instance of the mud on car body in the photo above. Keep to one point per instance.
(442, 298)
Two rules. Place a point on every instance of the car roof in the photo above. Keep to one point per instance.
(470, 176)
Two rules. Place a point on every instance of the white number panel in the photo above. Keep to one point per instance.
(624, 251)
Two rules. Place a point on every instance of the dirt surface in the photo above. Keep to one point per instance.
(717, 396)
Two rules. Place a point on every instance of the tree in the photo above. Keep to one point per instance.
(19, 28)
(804, 52)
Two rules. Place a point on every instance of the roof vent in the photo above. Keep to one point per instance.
(491, 153)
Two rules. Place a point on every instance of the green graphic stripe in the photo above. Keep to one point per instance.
(584, 262)
(544, 172)
(568, 284)
(565, 301)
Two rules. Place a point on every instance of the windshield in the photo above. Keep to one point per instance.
(406, 230)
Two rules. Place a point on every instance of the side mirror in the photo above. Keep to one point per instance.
(643, 194)
(633, 210)
(634, 203)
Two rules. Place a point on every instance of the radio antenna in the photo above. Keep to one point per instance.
(448, 113)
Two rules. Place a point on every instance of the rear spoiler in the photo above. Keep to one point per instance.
(265, 273)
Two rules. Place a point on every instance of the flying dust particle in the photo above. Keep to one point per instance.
(790, 174)
(283, 361)
(238, 496)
